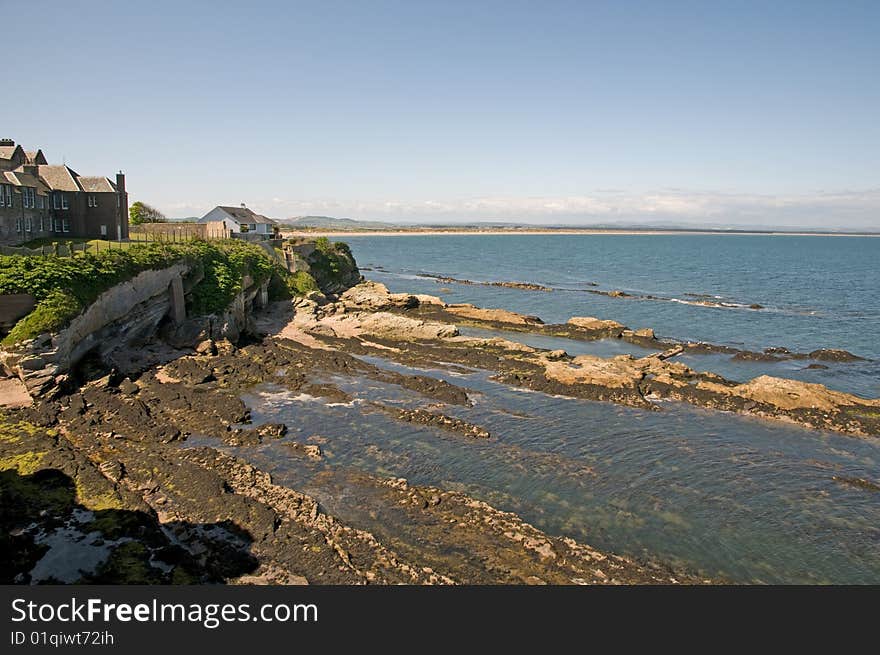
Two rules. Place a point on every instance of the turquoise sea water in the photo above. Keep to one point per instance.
(815, 292)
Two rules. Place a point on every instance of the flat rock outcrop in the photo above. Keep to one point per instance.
(469, 311)
(591, 323)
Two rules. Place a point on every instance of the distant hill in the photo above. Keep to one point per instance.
(328, 222)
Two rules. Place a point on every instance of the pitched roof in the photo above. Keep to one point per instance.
(35, 157)
(59, 178)
(96, 184)
(6, 152)
(244, 215)
(20, 178)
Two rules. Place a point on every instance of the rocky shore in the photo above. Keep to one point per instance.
(99, 483)
(107, 469)
(421, 330)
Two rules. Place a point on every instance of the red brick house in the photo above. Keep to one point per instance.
(42, 200)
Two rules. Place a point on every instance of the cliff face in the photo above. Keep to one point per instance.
(126, 315)
(330, 264)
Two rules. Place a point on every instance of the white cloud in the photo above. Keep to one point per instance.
(827, 209)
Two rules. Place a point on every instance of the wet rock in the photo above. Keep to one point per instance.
(860, 483)
(423, 417)
(311, 451)
(834, 355)
(272, 430)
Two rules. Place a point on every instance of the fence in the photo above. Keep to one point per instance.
(175, 232)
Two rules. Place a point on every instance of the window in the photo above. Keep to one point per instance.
(41, 202)
(2, 195)
(65, 225)
(93, 201)
(28, 197)
(42, 224)
(103, 230)
(64, 204)
(18, 224)
(56, 200)
(57, 227)
(28, 224)
(9, 195)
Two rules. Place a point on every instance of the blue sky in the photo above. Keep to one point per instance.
(562, 112)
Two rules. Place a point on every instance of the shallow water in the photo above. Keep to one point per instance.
(733, 497)
(817, 292)
(860, 377)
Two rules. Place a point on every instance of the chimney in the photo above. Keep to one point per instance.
(243, 206)
(120, 182)
(7, 142)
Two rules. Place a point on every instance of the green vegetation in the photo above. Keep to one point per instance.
(332, 262)
(288, 285)
(141, 212)
(64, 286)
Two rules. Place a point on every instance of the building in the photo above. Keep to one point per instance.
(239, 220)
(42, 200)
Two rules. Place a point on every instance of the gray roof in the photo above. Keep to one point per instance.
(96, 184)
(59, 178)
(35, 157)
(19, 178)
(244, 215)
(6, 152)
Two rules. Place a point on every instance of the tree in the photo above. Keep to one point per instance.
(141, 212)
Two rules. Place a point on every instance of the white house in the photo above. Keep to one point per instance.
(240, 219)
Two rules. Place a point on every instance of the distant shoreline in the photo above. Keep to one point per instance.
(572, 231)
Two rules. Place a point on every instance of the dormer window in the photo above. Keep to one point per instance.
(93, 201)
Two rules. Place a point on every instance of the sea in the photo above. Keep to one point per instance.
(734, 498)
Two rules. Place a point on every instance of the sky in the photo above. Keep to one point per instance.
(739, 113)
